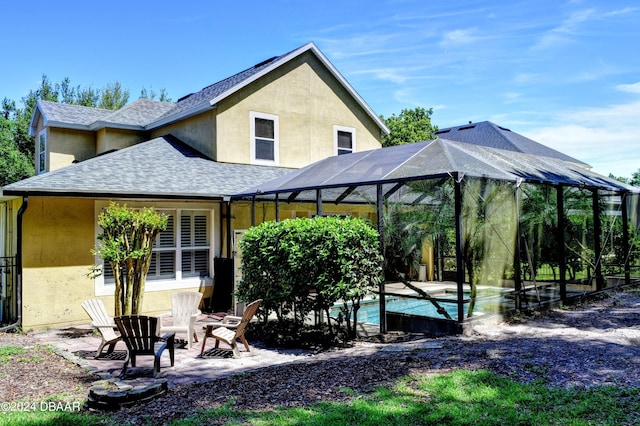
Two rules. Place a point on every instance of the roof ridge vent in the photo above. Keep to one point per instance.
(504, 128)
(467, 127)
(258, 65)
(184, 97)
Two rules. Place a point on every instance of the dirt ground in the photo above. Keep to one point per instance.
(591, 344)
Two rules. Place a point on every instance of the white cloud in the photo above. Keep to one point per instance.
(631, 88)
(562, 33)
(621, 11)
(459, 37)
(393, 75)
(607, 138)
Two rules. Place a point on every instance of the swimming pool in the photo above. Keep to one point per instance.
(370, 309)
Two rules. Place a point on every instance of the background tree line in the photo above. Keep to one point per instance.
(17, 148)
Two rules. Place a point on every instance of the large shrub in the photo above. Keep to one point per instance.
(299, 265)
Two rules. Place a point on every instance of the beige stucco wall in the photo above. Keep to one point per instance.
(59, 234)
(308, 101)
(198, 132)
(108, 139)
(57, 240)
(66, 146)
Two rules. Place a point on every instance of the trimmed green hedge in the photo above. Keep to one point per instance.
(300, 265)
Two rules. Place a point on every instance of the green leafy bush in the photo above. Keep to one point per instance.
(300, 265)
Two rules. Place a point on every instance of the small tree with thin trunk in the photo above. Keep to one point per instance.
(126, 243)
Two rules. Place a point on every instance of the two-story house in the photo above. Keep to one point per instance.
(183, 158)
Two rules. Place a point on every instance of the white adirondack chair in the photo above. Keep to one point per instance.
(103, 323)
(184, 312)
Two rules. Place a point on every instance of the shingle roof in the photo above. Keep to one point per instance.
(162, 167)
(208, 97)
(139, 113)
(72, 114)
(491, 135)
(147, 114)
(203, 97)
(135, 115)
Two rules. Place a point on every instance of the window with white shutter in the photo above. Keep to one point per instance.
(179, 251)
(194, 241)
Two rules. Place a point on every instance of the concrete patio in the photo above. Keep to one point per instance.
(79, 343)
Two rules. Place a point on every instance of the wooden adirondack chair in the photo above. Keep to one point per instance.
(231, 328)
(139, 334)
(103, 323)
(184, 312)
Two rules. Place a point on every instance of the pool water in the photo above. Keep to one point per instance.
(370, 310)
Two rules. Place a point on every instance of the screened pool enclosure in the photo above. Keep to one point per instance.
(479, 222)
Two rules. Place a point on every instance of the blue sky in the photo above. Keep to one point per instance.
(565, 73)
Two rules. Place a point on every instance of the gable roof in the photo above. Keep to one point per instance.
(163, 167)
(427, 160)
(65, 115)
(491, 135)
(145, 114)
(208, 97)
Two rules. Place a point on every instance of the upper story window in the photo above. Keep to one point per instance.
(344, 140)
(41, 159)
(264, 138)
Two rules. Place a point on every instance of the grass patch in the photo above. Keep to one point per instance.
(460, 398)
(6, 352)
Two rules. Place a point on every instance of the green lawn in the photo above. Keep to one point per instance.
(459, 398)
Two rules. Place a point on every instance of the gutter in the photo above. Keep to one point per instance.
(18, 322)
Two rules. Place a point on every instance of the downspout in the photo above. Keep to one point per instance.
(18, 322)
(227, 204)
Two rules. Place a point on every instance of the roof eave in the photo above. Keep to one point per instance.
(97, 125)
(64, 125)
(107, 194)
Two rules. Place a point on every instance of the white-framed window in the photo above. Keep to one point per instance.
(182, 254)
(344, 140)
(41, 158)
(264, 138)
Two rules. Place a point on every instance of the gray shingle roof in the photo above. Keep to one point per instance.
(139, 113)
(162, 167)
(72, 114)
(147, 114)
(204, 96)
(491, 135)
(135, 115)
